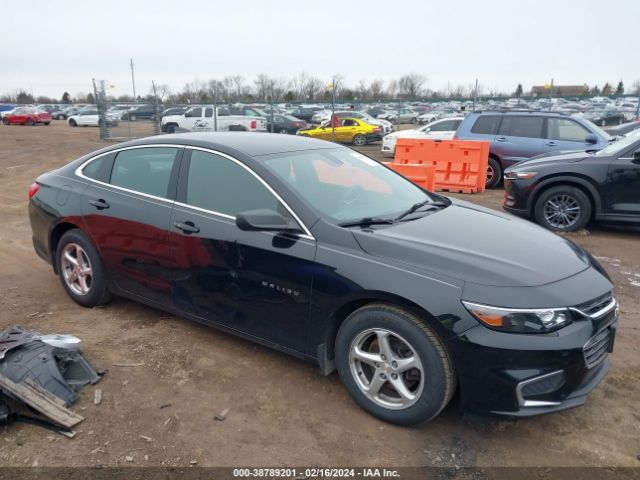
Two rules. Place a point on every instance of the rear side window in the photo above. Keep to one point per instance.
(565, 129)
(218, 184)
(208, 112)
(100, 168)
(530, 127)
(486, 124)
(144, 170)
(446, 126)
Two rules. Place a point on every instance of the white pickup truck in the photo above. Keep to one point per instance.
(200, 119)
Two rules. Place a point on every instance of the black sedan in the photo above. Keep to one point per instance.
(326, 254)
(285, 124)
(563, 192)
(141, 112)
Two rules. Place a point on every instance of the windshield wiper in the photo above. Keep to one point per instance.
(417, 206)
(366, 221)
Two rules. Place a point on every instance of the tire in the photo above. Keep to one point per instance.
(73, 123)
(430, 384)
(283, 131)
(414, 121)
(61, 117)
(171, 128)
(47, 123)
(30, 122)
(88, 289)
(571, 206)
(494, 173)
(359, 140)
(5, 121)
(132, 118)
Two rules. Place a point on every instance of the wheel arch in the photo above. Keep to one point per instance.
(573, 181)
(326, 347)
(54, 239)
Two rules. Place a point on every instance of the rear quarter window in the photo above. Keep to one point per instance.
(486, 125)
(100, 168)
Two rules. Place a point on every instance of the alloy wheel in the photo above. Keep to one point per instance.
(562, 211)
(386, 368)
(76, 269)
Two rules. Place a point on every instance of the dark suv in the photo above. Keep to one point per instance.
(563, 192)
(520, 135)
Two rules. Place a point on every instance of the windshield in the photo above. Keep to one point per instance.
(344, 185)
(621, 145)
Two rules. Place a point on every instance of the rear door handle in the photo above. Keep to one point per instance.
(100, 203)
(502, 139)
(551, 144)
(187, 227)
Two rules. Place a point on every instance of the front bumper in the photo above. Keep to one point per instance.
(518, 375)
(516, 196)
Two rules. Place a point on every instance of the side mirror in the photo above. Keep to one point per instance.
(265, 220)
(591, 138)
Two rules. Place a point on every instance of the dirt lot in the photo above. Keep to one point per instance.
(282, 411)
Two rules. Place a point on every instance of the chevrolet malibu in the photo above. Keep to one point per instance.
(318, 251)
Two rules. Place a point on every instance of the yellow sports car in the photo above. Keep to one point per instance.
(351, 130)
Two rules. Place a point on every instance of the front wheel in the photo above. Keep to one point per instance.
(133, 118)
(414, 121)
(30, 122)
(283, 131)
(394, 365)
(80, 269)
(5, 121)
(359, 140)
(494, 173)
(563, 209)
(61, 117)
(73, 123)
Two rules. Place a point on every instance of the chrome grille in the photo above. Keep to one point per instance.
(595, 350)
(594, 306)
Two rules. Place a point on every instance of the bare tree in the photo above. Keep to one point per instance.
(411, 85)
(376, 88)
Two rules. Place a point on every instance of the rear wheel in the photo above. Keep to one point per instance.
(394, 365)
(359, 140)
(80, 269)
(61, 117)
(47, 123)
(30, 122)
(133, 118)
(563, 209)
(414, 120)
(494, 173)
(283, 131)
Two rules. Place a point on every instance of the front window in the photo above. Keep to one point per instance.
(566, 130)
(344, 185)
(220, 185)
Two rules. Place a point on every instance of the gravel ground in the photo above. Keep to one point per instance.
(282, 411)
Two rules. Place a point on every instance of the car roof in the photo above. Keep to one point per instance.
(249, 143)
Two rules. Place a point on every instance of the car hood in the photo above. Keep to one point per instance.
(476, 244)
(406, 133)
(552, 157)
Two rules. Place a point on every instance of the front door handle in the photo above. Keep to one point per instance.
(187, 227)
(551, 144)
(99, 203)
(502, 139)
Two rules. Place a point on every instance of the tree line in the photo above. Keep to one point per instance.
(306, 88)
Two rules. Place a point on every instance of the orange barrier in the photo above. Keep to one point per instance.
(460, 166)
(421, 175)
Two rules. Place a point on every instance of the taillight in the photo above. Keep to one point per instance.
(254, 124)
(376, 130)
(33, 189)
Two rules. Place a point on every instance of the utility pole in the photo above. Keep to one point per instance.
(133, 81)
(334, 86)
(475, 96)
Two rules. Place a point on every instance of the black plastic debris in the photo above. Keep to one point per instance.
(45, 372)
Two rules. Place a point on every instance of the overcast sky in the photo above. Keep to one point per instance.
(49, 47)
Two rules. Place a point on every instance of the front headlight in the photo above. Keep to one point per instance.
(520, 320)
(519, 175)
